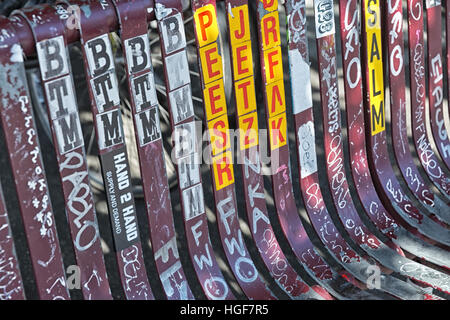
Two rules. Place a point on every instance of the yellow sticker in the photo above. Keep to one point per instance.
(248, 131)
(223, 170)
(278, 131)
(270, 30)
(219, 134)
(375, 65)
(215, 102)
(242, 60)
(270, 5)
(211, 63)
(276, 102)
(239, 24)
(245, 95)
(206, 25)
(273, 65)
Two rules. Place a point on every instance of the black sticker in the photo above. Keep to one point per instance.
(122, 210)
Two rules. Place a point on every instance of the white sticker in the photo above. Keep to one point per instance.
(68, 133)
(184, 136)
(189, 171)
(177, 69)
(109, 128)
(433, 3)
(173, 34)
(138, 54)
(307, 149)
(99, 55)
(106, 91)
(60, 97)
(193, 202)
(144, 92)
(148, 128)
(52, 55)
(181, 104)
(324, 15)
(300, 82)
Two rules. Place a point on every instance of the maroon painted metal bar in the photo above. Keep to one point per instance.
(399, 132)
(393, 196)
(388, 254)
(28, 169)
(425, 153)
(105, 107)
(436, 80)
(68, 142)
(249, 158)
(222, 171)
(269, 41)
(11, 283)
(333, 145)
(187, 151)
(136, 50)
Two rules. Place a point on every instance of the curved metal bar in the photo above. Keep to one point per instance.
(68, 143)
(182, 118)
(28, 169)
(249, 159)
(439, 127)
(425, 153)
(94, 19)
(222, 171)
(144, 104)
(11, 283)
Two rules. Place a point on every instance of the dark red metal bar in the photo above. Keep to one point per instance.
(28, 169)
(95, 17)
(222, 171)
(69, 147)
(388, 254)
(136, 50)
(333, 144)
(399, 131)
(187, 151)
(393, 196)
(436, 80)
(275, 105)
(11, 284)
(249, 157)
(425, 153)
